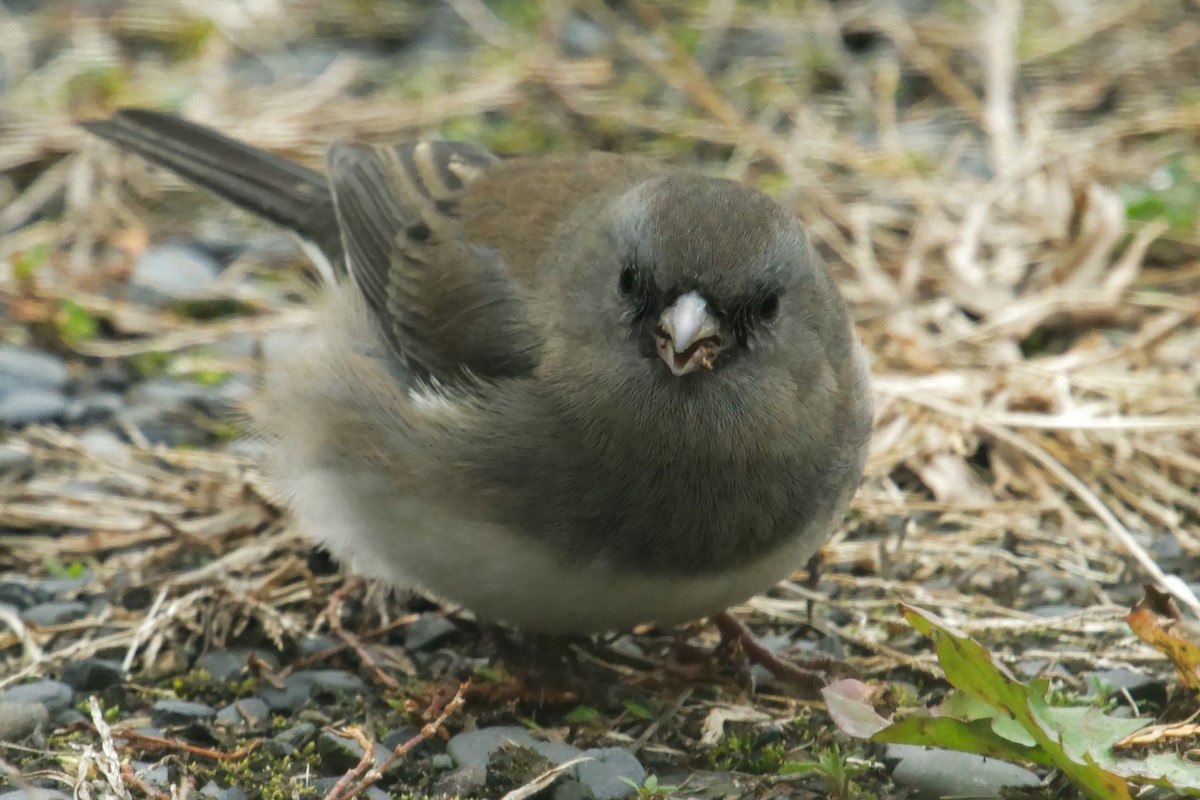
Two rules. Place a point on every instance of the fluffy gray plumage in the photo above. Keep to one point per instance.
(572, 393)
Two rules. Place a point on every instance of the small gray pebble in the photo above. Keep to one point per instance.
(230, 663)
(211, 791)
(56, 696)
(291, 739)
(605, 774)
(35, 794)
(104, 444)
(288, 698)
(427, 631)
(321, 686)
(17, 594)
(92, 674)
(342, 753)
(1138, 685)
(116, 376)
(94, 409)
(465, 781)
(398, 736)
(155, 428)
(442, 762)
(69, 717)
(154, 774)
(55, 588)
(324, 785)
(56, 613)
(30, 369)
(32, 407)
(251, 712)
(1117, 679)
(315, 643)
(171, 393)
(477, 746)
(18, 721)
(573, 790)
(180, 712)
(173, 272)
(627, 646)
(333, 681)
(932, 773)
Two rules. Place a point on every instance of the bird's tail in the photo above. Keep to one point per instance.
(263, 183)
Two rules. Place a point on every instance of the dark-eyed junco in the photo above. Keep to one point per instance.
(568, 392)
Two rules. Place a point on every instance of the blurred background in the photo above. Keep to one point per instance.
(1007, 192)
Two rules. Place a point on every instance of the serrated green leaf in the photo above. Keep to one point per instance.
(976, 736)
(972, 669)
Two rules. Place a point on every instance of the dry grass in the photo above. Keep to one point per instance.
(1035, 350)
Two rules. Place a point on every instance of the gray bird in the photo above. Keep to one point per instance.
(572, 393)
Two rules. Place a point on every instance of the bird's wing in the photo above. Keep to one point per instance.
(448, 306)
(442, 238)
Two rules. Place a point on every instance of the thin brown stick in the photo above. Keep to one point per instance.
(371, 776)
(145, 742)
(733, 630)
(355, 773)
(335, 625)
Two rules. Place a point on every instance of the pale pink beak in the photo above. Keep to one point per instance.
(688, 335)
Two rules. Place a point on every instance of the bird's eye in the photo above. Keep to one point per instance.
(768, 307)
(627, 281)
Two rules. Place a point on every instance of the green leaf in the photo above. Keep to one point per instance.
(638, 710)
(582, 715)
(976, 736)
(971, 668)
(994, 714)
(26, 263)
(1172, 194)
(75, 324)
(800, 767)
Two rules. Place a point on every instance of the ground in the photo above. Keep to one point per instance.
(1008, 196)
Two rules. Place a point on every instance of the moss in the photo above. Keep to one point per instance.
(150, 364)
(754, 752)
(275, 777)
(514, 765)
(199, 684)
(110, 711)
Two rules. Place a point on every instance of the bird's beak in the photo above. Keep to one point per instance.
(688, 335)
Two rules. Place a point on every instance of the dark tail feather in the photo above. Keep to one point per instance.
(263, 183)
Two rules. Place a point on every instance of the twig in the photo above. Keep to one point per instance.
(355, 773)
(335, 624)
(428, 731)
(144, 741)
(809, 681)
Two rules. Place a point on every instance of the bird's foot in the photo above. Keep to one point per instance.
(808, 676)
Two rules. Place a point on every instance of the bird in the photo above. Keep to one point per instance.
(569, 392)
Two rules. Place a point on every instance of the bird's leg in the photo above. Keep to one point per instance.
(809, 677)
